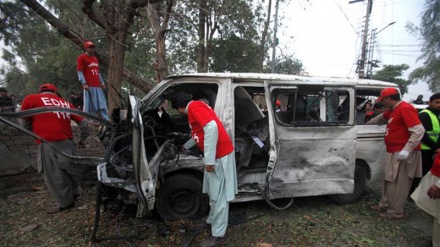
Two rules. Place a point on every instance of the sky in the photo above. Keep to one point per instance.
(326, 35)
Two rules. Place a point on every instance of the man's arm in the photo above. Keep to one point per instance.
(189, 144)
(102, 81)
(82, 80)
(379, 119)
(416, 134)
(210, 144)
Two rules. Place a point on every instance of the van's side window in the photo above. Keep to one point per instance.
(367, 106)
(311, 105)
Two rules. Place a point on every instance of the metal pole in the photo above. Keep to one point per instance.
(371, 53)
(371, 62)
(362, 62)
(274, 45)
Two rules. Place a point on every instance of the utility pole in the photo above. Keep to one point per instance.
(274, 45)
(363, 60)
(371, 62)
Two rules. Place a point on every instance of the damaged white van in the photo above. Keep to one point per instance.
(293, 136)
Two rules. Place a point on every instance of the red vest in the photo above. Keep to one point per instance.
(200, 114)
(51, 126)
(402, 117)
(90, 68)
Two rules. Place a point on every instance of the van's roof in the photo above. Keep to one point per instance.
(282, 77)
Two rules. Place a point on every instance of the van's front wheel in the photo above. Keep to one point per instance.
(360, 183)
(181, 197)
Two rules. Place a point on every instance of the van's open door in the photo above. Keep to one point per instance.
(315, 140)
(145, 182)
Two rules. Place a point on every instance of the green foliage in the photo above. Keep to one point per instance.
(234, 55)
(393, 73)
(36, 53)
(429, 32)
(288, 65)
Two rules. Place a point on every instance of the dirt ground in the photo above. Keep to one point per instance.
(312, 221)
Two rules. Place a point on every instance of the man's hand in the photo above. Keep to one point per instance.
(209, 168)
(402, 155)
(103, 86)
(85, 87)
(434, 192)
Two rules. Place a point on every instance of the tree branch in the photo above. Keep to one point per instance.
(78, 40)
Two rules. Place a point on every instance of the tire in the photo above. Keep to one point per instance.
(181, 197)
(360, 183)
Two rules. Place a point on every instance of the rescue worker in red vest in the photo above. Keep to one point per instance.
(61, 176)
(430, 118)
(220, 177)
(403, 159)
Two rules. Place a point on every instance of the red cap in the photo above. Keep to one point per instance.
(387, 92)
(88, 44)
(277, 103)
(47, 87)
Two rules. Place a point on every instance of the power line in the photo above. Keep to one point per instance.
(399, 54)
(346, 17)
(388, 45)
(401, 50)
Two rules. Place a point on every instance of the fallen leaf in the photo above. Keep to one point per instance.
(29, 228)
(264, 245)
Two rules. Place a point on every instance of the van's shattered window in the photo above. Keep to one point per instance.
(311, 106)
(367, 106)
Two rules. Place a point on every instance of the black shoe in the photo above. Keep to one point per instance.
(214, 241)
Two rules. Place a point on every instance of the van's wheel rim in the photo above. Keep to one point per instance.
(183, 203)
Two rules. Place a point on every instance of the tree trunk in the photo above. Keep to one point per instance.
(159, 30)
(78, 40)
(117, 53)
(262, 50)
(201, 34)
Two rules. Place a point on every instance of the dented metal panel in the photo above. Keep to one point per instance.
(314, 162)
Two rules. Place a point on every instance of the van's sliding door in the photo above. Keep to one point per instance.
(314, 139)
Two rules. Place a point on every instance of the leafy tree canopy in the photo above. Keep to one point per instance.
(234, 55)
(37, 53)
(394, 73)
(429, 33)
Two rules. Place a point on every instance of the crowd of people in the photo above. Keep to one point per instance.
(54, 128)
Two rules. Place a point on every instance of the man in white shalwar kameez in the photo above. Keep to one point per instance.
(220, 179)
(427, 198)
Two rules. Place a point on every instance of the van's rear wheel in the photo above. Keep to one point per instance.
(181, 197)
(360, 183)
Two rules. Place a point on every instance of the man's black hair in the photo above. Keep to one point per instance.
(395, 97)
(180, 99)
(377, 105)
(434, 97)
(2, 89)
